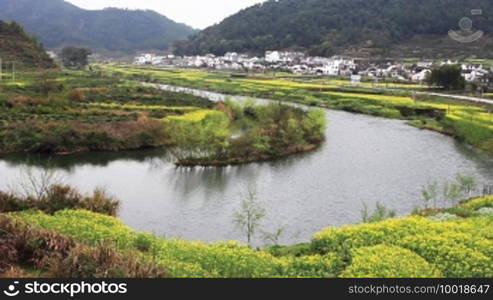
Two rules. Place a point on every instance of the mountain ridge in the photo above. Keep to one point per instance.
(328, 27)
(21, 49)
(58, 23)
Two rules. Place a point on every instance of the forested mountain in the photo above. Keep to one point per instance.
(324, 27)
(18, 47)
(58, 23)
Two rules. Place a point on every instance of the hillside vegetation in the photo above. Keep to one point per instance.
(442, 245)
(58, 23)
(359, 27)
(22, 49)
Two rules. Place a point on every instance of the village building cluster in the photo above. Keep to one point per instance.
(299, 63)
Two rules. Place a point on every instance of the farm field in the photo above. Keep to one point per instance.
(73, 111)
(469, 122)
(65, 112)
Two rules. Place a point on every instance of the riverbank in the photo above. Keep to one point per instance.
(235, 161)
(72, 112)
(464, 119)
(412, 246)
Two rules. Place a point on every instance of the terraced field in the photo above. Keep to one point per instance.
(74, 111)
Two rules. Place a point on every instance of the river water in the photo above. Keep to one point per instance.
(365, 160)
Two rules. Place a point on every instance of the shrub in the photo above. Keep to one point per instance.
(11, 202)
(314, 266)
(379, 214)
(103, 262)
(383, 261)
(404, 247)
(345, 238)
(21, 243)
(21, 100)
(450, 255)
(75, 95)
(181, 258)
(46, 86)
(59, 197)
(100, 202)
(442, 217)
(488, 211)
(57, 255)
(143, 242)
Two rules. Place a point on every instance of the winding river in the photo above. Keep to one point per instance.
(365, 160)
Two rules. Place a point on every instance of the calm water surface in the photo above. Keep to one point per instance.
(364, 160)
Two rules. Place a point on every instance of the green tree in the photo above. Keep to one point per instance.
(379, 214)
(467, 184)
(314, 125)
(448, 77)
(206, 138)
(293, 133)
(249, 216)
(430, 193)
(75, 58)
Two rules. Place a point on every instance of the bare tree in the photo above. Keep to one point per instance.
(35, 182)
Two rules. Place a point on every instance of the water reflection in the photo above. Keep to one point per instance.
(154, 157)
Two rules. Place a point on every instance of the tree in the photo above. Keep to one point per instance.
(467, 184)
(75, 58)
(206, 138)
(379, 214)
(249, 216)
(449, 77)
(315, 125)
(430, 193)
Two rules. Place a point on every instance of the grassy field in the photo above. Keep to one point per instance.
(457, 242)
(470, 122)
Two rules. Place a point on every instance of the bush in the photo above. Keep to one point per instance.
(102, 262)
(405, 247)
(59, 197)
(314, 266)
(383, 261)
(75, 95)
(100, 202)
(56, 255)
(451, 255)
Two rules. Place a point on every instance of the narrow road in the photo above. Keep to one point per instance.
(466, 98)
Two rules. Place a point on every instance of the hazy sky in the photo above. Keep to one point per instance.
(196, 13)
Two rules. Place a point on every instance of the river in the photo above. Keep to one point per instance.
(365, 160)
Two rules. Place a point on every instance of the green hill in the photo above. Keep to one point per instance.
(17, 46)
(358, 27)
(58, 23)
